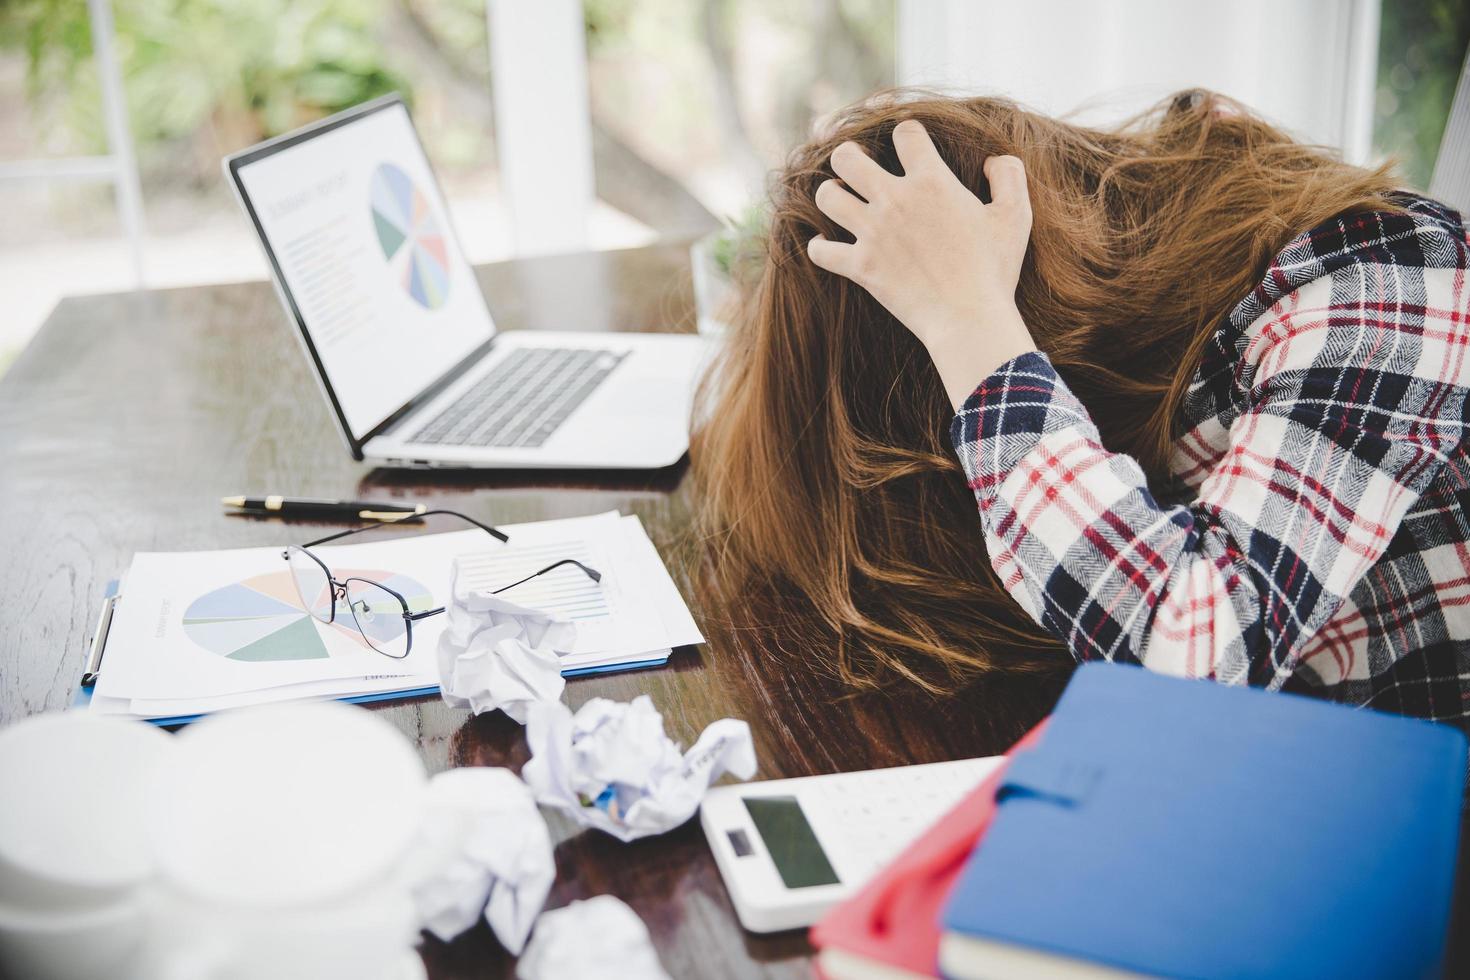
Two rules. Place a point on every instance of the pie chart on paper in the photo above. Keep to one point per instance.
(410, 236)
(260, 619)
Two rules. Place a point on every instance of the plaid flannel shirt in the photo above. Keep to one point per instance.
(1327, 545)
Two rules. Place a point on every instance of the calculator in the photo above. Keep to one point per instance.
(790, 849)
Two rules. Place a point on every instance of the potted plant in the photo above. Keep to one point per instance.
(723, 262)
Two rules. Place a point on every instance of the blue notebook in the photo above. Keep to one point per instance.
(1182, 828)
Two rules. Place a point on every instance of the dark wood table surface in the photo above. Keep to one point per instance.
(129, 415)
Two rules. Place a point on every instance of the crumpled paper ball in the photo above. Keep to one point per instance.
(484, 849)
(599, 937)
(494, 653)
(610, 766)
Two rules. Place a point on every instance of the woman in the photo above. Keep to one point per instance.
(1206, 385)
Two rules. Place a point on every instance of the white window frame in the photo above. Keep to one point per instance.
(1312, 64)
(119, 166)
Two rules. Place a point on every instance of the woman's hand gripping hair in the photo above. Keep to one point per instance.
(938, 259)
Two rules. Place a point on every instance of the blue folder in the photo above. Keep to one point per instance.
(1182, 828)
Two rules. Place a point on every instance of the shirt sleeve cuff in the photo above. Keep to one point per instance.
(1007, 414)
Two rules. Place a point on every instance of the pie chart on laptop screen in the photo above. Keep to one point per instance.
(410, 236)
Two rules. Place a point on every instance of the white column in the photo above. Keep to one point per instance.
(119, 136)
(1361, 87)
(543, 124)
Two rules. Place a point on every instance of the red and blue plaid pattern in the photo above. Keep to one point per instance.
(1327, 545)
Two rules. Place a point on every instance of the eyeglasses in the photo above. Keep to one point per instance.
(383, 615)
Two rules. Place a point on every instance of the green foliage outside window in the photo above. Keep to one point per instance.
(206, 74)
(251, 67)
(1420, 51)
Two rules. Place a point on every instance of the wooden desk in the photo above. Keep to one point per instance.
(128, 417)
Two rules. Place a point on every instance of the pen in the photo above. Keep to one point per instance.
(329, 510)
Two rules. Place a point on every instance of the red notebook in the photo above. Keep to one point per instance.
(890, 928)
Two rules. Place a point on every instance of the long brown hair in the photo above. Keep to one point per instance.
(821, 451)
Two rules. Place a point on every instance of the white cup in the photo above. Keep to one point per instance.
(73, 853)
(280, 837)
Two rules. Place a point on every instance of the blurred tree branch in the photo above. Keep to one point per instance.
(846, 61)
(715, 21)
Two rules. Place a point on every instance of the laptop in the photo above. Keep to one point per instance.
(400, 338)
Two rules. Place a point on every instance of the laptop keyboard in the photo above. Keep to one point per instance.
(523, 399)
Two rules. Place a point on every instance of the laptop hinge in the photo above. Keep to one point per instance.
(430, 393)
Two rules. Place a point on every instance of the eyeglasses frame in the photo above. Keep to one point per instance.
(338, 589)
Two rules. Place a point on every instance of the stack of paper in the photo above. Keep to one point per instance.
(633, 617)
(196, 632)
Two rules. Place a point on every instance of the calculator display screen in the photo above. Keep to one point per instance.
(790, 841)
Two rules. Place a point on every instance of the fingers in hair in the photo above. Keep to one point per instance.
(859, 171)
(1007, 177)
(916, 151)
(835, 257)
(837, 203)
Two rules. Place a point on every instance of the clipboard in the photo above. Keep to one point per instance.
(97, 652)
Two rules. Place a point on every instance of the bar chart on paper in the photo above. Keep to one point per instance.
(567, 592)
(633, 616)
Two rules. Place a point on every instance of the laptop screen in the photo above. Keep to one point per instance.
(360, 237)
